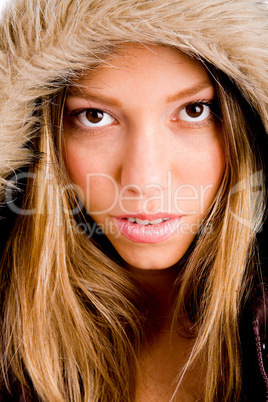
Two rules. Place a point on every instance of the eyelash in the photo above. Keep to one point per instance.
(91, 130)
(213, 113)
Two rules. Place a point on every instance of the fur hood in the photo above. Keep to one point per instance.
(45, 43)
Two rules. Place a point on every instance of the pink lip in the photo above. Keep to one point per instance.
(150, 217)
(148, 233)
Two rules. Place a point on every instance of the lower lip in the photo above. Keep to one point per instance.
(148, 233)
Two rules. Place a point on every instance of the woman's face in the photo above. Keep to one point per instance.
(145, 150)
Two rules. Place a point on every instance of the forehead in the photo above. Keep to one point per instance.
(144, 63)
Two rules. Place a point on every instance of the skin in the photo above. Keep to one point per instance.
(143, 156)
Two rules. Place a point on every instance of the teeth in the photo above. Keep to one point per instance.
(140, 222)
(156, 221)
(146, 222)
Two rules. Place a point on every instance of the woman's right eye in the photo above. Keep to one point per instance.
(93, 118)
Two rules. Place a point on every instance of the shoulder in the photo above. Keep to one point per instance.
(16, 393)
(254, 330)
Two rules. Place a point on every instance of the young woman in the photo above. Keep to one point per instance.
(133, 147)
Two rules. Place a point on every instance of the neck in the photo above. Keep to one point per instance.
(157, 285)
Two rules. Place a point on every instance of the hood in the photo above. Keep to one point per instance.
(45, 43)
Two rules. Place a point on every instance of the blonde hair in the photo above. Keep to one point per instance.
(71, 323)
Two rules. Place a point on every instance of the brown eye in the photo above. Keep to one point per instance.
(194, 112)
(94, 118)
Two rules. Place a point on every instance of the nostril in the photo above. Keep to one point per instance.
(130, 189)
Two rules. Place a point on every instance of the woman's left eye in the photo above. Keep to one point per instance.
(194, 112)
(94, 118)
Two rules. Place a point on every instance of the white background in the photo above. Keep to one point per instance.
(2, 3)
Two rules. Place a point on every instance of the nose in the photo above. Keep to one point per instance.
(146, 161)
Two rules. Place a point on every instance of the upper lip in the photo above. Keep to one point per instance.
(150, 217)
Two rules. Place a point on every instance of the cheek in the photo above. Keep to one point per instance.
(80, 162)
(77, 169)
(213, 172)
(203, 174)
(96, 189)
(77, 165)
(101, 194)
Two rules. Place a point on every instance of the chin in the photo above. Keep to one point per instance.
(147, 263)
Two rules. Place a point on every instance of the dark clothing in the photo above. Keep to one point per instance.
(254, 348)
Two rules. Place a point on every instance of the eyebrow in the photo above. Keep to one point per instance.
(190, 91)
(87, 95)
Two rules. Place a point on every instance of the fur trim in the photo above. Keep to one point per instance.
(44, 43)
